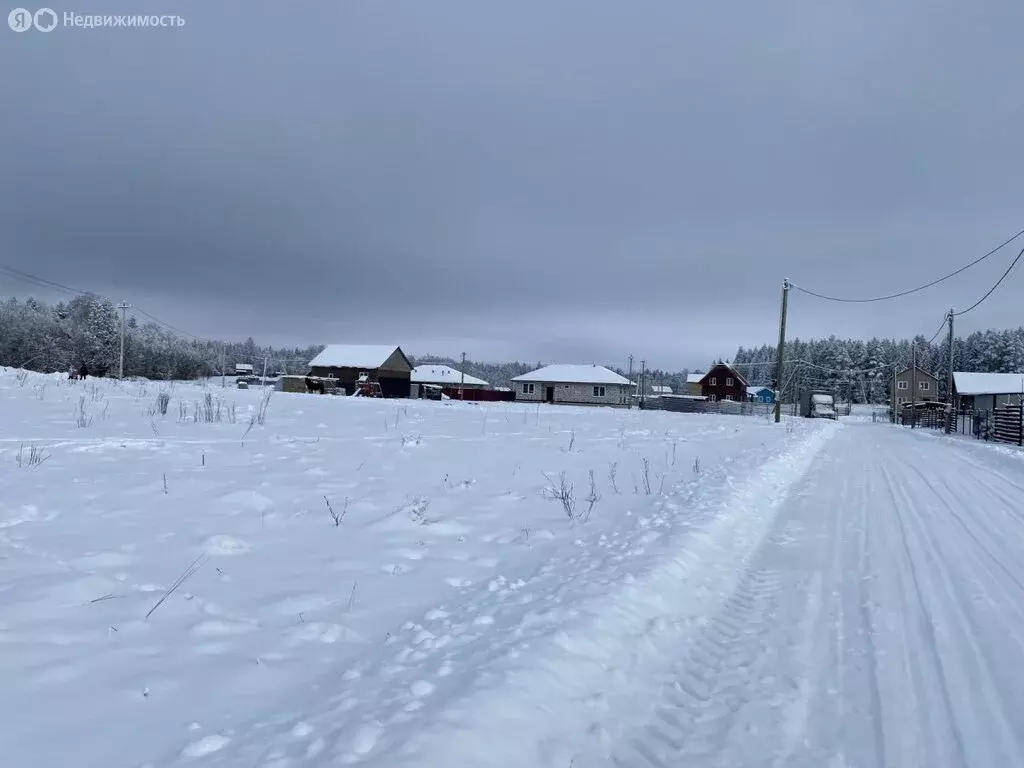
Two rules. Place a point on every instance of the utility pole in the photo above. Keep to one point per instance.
(223, 366)
(949, 379)
(264, 382)
(124, 308)
(780, 351)
(462, 381)
(895, 368)
(913, 384)
(630, 377)
(643, 372)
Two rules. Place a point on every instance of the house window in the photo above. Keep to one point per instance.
(598, 391)
(527, 389)
(902, 385)
(712, 382)
(728, 382)
(728, 397)
(924, 385)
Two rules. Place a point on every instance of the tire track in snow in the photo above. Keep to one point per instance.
(926, 622)
(705, 691)
(575, 705)
(992, 730)
(989, 549)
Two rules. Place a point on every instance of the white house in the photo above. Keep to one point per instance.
(661, 389)
(573, 384)
(446, 376)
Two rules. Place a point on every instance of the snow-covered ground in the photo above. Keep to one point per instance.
(743, 593)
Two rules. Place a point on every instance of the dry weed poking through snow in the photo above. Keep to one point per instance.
(453, 576)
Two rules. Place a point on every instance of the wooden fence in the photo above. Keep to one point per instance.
(1008, 425)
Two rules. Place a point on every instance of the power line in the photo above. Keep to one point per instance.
(43, 282)
(173, 328)
(40, 281)
(813, 365)
(920, 287)
(942, 327)
(992, 289)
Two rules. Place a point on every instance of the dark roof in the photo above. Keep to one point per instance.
(920, 372)
(736, 374)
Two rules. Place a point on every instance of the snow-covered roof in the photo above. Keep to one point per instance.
(757, 390)
(443, 374)
(574, 374)
(700, 376)
(660, 389)
(368, 356)
(967, 383)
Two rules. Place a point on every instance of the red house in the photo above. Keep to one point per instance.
(723, 382)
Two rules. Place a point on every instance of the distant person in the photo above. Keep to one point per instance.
(83, 372)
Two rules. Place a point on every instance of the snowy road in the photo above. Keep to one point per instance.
(880, 624)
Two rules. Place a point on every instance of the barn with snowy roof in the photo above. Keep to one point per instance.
(574, 385)
(350, 364)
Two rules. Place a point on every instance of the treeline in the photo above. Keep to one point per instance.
(861, 370)
(86, 331)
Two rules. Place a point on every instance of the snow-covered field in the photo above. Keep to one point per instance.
(288, 635)
(392, 583)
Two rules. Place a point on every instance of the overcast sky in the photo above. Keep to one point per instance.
(556, 181)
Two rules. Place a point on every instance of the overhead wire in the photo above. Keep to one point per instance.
(909, 291)
(17, 274)
(942, 327)
(43, 282)
(991, 290)
(171, 327)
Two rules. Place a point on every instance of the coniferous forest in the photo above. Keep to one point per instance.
(86, 330)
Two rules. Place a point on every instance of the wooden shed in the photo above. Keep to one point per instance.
(386, 365)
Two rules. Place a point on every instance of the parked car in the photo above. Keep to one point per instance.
(823, 407)
(818, 405)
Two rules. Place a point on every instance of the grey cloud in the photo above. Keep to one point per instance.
(569, 180)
